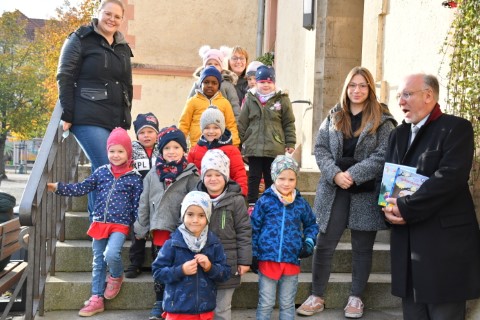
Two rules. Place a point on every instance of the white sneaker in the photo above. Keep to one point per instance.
(312, 305)
(354, 308)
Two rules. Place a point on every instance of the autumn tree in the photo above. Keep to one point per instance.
(21, 90)
(52, 36)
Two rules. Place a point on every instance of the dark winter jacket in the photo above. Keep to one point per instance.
(117, 199)
(192, 294)
(265, 131)
(237, 166)
(159, 207)
(231, 223)
(142, 162)
(95, 79)
(227, 88)
(278, 231)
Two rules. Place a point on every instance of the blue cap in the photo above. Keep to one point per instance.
(265, 73)
(211, 71)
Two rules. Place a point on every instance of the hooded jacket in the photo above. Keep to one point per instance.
(265, 131)
(159, 207)
(117, 199)
(227, 88)
(237, 167)
(190, 119)
(231, 224)
(95, 79)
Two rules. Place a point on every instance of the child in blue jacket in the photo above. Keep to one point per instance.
(190, 263)
(284, 230)
(118, 188)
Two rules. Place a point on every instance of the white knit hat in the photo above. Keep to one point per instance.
(212, 115)
(216, 159)
(197, 198)
(252, 68)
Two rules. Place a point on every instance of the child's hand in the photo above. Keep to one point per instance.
(203, 261)
(190, 267)
(52, 186)
(289, 150)
(242, 270)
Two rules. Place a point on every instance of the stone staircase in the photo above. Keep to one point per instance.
(70, 286)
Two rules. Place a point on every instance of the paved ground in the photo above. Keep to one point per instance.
(236, 315)
(14, 185)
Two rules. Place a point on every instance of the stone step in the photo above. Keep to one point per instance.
(237, 314)
(76, 256)
(138, 293)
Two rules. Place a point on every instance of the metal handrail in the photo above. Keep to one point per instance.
(44, 213)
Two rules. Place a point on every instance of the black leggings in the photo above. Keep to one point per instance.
(258, 166)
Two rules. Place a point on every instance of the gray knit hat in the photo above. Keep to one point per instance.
(212, 115)
(282, 163)
(197, 198)
(217, 160)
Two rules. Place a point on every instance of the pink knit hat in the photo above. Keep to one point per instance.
(207, 53)
(121, 137)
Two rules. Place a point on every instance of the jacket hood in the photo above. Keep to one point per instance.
(227, 75)
(231, 187)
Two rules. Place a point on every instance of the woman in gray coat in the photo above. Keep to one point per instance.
(350, 151)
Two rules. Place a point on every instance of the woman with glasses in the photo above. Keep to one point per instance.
(95, 83)
(350, 151)
(238, 63)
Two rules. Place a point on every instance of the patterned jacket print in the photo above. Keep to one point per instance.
(192, 294)
(370, 154)
(231, 224)
(237, 167)
(117, 199)
(142, 162)
(278, 231)
(265, 131)
(189, 121)
(159, 208)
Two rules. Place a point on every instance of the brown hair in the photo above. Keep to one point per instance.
(118, 2)
(242, 51)
(372, 109)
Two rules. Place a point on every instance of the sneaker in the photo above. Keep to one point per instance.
(312, 305)
(354, 308)
(251, 206)
(92, 306)
(113, 287)
(132, 272)
(157, 310)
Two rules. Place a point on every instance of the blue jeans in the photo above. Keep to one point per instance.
(106, 252)
(93, 141)
(287, 289)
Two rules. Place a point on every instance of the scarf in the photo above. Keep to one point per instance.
(264, 97)
(121, 169)
(169, 171)
(225, 139)
(193, 243)
(285, 200)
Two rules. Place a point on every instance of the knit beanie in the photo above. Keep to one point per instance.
(121, 137)
(212, 116)
(207, 53)
(252, 68)
(282, 163)
(145, 120)
(211, 71)
(197, 198)
(217, 160)
(265, 73)
(168, 134)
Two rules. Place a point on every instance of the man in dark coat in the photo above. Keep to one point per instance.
(435, 238)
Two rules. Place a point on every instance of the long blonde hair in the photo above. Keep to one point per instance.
(372, 109)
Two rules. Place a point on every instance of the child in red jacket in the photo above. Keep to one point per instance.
(214, 135)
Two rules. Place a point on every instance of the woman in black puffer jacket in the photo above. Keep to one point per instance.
(95, 83)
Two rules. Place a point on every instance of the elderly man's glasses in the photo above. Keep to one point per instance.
(406, 95)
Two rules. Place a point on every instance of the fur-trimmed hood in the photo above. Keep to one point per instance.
(227, 75)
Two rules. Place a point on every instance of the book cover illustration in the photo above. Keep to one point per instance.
(406, 183)
(389, 173)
